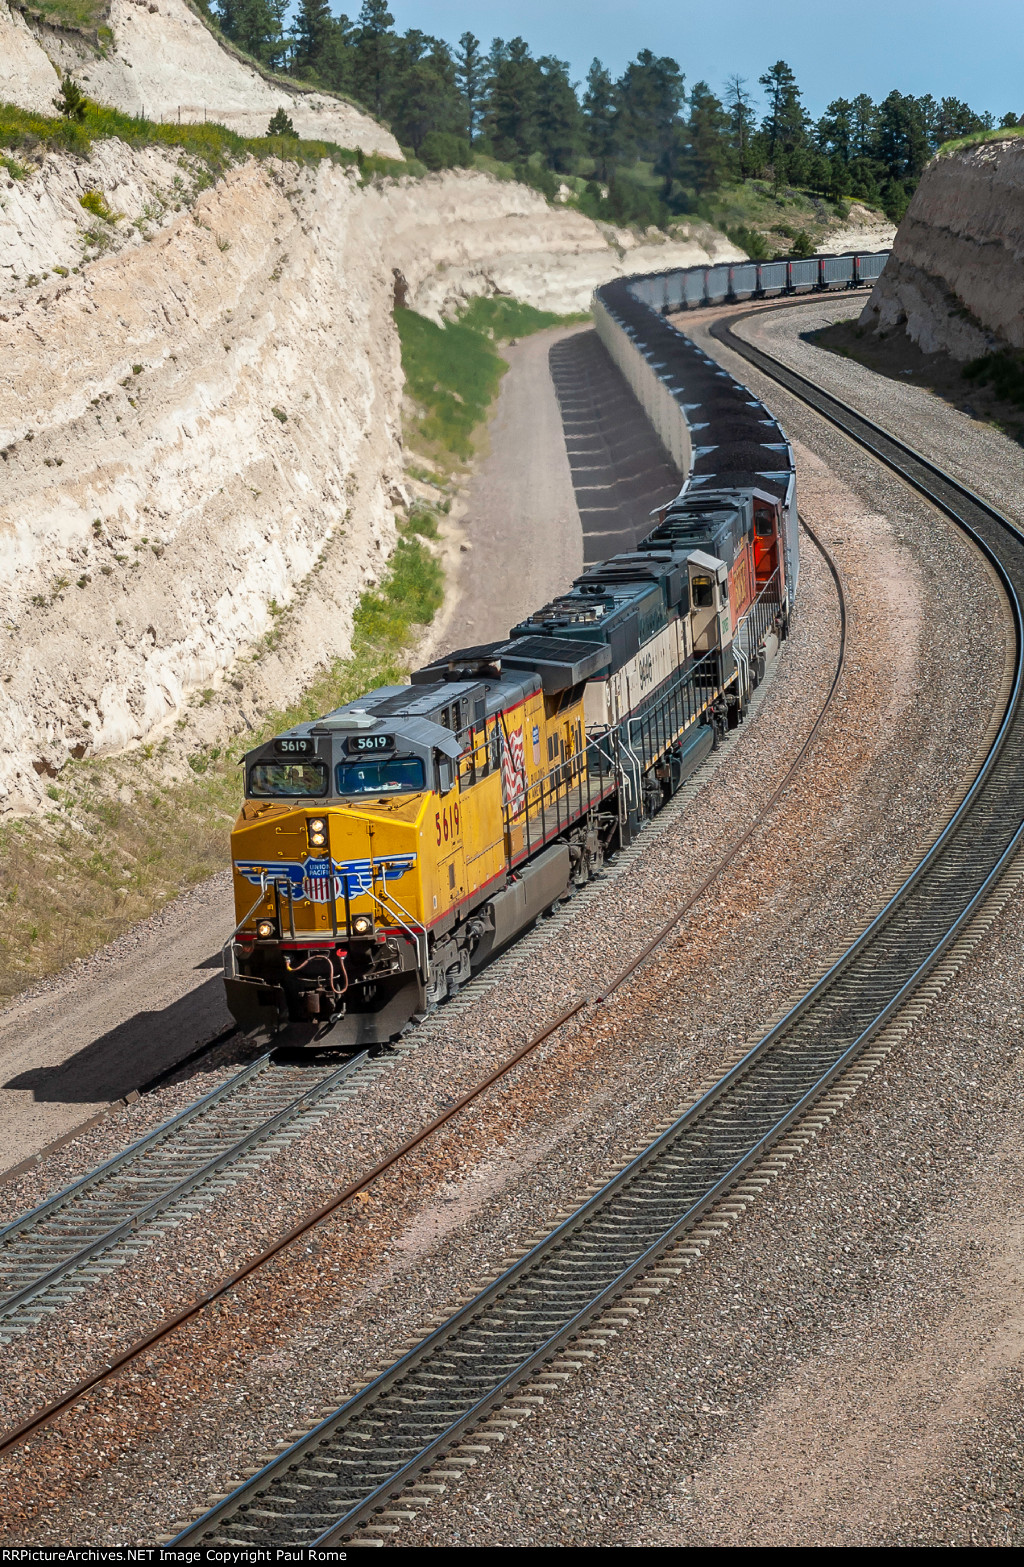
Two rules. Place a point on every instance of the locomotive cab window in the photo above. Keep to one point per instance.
(765, 525)
(397, 775)
(703, 593)
(287, 780)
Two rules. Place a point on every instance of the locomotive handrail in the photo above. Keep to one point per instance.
(417, 932)
(750, 615)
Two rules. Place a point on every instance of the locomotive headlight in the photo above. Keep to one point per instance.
(362, 925)
(265, 928)
(317, 824)
(317, 840)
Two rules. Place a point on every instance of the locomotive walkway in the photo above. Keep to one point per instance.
(361, 1466)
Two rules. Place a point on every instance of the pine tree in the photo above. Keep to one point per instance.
(254, 25)
(902, 144)
(601, 120)
(740, 109)
(311, 30)
(470, 76)
(835, 130)
(423, 102)
(71, 101)
(650, 95)
(280, 124)
(559, 121)
(374, 49)
(785, 125)
(953, 119)
(512, 100)
(865, 126)
(706, 153)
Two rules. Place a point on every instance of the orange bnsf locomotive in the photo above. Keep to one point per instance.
(388, 849)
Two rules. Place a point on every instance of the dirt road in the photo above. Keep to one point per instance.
(106, 1026)
(520, 527)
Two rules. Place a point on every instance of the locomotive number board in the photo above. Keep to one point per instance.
(368, 745)
(300, 745)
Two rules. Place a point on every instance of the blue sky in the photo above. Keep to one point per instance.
(945, 47)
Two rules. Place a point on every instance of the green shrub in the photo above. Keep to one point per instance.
(444, 150)
(538, 176)
(748, 239)
(422, 522)
(1003, 371)
(280, 124)
(94, 202)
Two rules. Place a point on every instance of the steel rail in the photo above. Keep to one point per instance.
(174, 1193)
(92, 1217)
(50, 1412)
(333, 1480)
(104, 1171)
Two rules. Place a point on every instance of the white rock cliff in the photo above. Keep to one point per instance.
(955, 280)
(204, 421)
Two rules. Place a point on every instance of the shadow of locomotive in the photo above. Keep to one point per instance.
(620, 470)
(144, 1047)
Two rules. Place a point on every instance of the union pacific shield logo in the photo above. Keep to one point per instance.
(318, 881)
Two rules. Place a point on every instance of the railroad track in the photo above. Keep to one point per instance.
(423, 1036)
(361, 1465)
(98, 1223)
(93, 1226)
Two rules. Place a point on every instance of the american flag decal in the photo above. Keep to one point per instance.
(513, 767)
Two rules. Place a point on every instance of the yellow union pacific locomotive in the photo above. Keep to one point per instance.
(386, 850)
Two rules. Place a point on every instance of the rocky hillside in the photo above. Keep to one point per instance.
(162, 61)
(955, 281)
(200, 423)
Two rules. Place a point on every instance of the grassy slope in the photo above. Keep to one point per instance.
(87, 16)
(121, 837)
(778, 218)
(213, 144)
(452, 372)
(1005, 134)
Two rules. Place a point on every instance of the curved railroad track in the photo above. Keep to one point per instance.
(344, 1082)
(356, 1464)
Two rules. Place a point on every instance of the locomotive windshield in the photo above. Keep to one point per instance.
(401, 773)
(287, 779)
